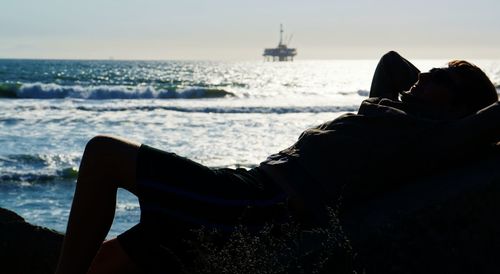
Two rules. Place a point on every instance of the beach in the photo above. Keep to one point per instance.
(221, 114)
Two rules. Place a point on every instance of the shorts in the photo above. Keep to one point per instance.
(177, 195)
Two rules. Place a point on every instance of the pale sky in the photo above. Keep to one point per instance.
(241, 29)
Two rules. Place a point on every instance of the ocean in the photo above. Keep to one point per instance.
(221, 114)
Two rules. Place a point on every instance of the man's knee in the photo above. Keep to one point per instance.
(112, 159)
(97, 157)
(100, 144)
(106, 147)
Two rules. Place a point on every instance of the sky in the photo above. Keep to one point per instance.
(241, 29)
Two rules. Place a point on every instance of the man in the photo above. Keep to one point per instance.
(353, 157)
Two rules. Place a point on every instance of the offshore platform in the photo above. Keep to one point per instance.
(282, 52)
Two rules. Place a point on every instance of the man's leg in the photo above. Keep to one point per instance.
(107, 164)
(111, 259)
(393, 75)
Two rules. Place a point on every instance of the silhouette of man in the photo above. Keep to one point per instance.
(413, 123)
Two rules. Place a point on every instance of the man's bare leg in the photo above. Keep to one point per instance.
(107, 164)
(112, 259)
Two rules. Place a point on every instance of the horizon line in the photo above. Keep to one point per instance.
(219, 60)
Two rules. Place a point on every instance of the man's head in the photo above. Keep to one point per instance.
(459, 90)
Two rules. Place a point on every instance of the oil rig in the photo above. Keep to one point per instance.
(282, 52)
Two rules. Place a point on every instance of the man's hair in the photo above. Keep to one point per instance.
(475, 91)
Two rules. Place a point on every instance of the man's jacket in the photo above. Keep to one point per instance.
(384, 144)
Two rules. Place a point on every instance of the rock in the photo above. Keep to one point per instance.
(25, 248)
(447, 222)
(444, 223)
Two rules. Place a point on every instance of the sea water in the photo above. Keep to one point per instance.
(221, 114)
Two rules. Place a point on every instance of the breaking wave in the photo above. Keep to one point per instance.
(64, 174)
(241, 109)
(104, 92)
(37, 168)
(194, 109)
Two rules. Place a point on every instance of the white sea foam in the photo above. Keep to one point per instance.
(103, 92)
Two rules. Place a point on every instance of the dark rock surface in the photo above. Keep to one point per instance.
(25, 248)
(446, 223)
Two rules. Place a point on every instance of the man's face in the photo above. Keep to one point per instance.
(435, 88)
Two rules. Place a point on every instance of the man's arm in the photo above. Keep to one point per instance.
(483, 127)
(457, 141)
(393, 75)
